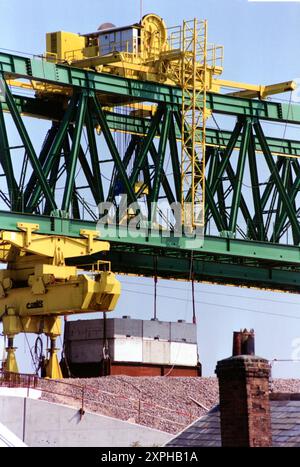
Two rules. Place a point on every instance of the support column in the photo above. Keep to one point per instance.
(53, 369)
(11, 362)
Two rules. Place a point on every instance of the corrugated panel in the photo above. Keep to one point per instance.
(183, 354)
(184, 332)
(156, 352)
(156, 329)
(128, 349)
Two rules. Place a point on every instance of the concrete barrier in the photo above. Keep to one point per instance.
(40, 423)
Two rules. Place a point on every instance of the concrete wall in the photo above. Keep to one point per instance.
(21, 392)
(8, 439)
(40, 423)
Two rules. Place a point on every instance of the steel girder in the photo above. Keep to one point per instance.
(54, 110)
(219, 260)
(77, 111)
(114, 89)
(252, 200)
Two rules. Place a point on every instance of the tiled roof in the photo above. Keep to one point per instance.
(205, 432)
(286, 423)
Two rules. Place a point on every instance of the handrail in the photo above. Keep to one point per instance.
(87, 397)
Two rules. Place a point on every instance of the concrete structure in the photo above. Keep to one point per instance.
(20, 392)
(9, 439)
(135, 347)
(40, 424)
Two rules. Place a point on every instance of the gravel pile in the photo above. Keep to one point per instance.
(285, 385)
(167, 404)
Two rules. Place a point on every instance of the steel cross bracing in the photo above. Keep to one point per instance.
(252, 180)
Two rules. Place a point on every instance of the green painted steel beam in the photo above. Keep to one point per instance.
(282, 216)
(53, 110)
(280, 146)
(6, 162)
(219, 260)
(277, 179)
(161, 157)
(214, 137)
(213, 158)
(54, 151)
(259, 220)
(210, 203)
(254, 251)
(176, 159)
(226, 158)
(98, 186)
(238, 180)
(206, 270)
(125, 161)
(113, 150)
(28, 146)
(145, 146)
(41, 70)
(51, 134)
(164, 179)
(72, 163)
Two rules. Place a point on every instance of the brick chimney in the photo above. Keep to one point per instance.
(244, 397)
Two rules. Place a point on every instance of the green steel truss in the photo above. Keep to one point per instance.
(252, 231)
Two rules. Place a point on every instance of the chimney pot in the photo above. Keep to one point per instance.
(243, 343)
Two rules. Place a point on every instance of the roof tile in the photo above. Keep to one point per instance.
(206, 430)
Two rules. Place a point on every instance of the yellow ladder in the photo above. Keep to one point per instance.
(194, 78)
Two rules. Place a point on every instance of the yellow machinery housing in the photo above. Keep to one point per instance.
(146, 51)
(37, 287)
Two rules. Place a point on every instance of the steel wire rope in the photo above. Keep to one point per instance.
(217, 293)
(186, 308)
(280, 315)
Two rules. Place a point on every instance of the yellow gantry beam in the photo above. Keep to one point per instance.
(51, 245)
(250, 91)
(246, 90)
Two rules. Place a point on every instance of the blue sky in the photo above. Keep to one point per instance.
(261, 43)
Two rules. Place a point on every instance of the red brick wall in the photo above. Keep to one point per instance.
(244, 401)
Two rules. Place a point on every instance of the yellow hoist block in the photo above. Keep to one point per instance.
(37, 287)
